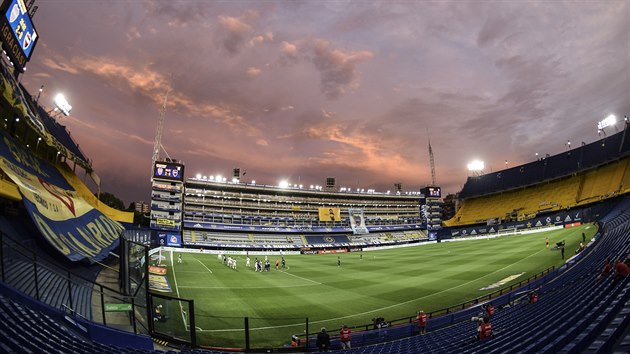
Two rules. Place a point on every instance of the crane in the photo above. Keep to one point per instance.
(158, 133)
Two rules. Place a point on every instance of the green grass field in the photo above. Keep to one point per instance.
(389, 283)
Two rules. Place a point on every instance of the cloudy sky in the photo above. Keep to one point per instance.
(304, 90)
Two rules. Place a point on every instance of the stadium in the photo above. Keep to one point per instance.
(231, 265)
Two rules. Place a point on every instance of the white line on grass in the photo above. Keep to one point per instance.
(366, 312)
(297, 276)
(181, 308)
(204, 266)
(248, 287)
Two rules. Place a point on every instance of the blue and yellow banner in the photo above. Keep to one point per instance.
(65, 220)
(329, 214)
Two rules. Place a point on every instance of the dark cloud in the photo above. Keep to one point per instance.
(337, 68)
(235, 31)
(309, 89)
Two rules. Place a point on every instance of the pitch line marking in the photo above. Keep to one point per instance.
(247, 287)
(204, 266)
(366, 312)
(181, 308)
(297, 276)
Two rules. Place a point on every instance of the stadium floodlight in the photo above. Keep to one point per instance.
(212, 178)
(62, 104)
(224, 179)
(253, 181)
(235, 180)
(476, 166)
(605, 123)
(283, 184)
(198, 176)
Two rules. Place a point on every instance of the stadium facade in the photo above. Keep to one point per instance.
(248, 215)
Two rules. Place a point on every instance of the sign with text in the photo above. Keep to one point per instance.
(18, 33)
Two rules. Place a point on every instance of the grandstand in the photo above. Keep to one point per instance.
(70, 283)
(582, 176)
(244, 215)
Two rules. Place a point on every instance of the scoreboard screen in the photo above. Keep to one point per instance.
(18, 33)
(433, 192)
(168, 170)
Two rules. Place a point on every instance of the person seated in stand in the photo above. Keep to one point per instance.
(295, 341)
(605, 270)
(157, 314)
(580, 248)
(533, 297)
(621, 271)
(485, 329)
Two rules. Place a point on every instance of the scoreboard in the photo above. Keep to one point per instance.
(17, 33)
(168, 170)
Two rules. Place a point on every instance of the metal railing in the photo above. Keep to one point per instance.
(23, 270)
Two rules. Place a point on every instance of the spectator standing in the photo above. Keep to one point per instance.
(345, 335)
(489, 310)
(323, 340)
(421, 319)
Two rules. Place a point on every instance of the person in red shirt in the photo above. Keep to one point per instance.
(605, 271)
(484, 329)
(421, 318)
(489, 310)
(533, 297)
(621, 271)
(345, 335)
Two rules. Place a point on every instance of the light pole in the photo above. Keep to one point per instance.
(39, 94)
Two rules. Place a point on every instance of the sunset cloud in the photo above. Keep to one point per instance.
(338, 69)
(253, 72)
(351, 89)
(235, 30)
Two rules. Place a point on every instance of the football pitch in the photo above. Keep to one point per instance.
(392, 284)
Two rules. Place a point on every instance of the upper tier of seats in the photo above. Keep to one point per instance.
(549, 168)
(596, 184)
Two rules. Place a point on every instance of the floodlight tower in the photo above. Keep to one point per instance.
(433, 183)
(158, 133)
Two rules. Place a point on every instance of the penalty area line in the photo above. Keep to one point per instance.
(204, 266)
(297, 276)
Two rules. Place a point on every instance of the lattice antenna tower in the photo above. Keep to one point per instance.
(158, 133)
(431, 160)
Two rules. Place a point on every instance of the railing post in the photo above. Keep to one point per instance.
(247, 334)
(133, 315)
(306, 339)
(35, 273)
(192, 323)
(2, 255)
(70, 291)
(103, 305)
